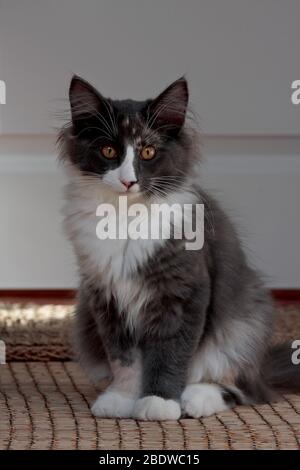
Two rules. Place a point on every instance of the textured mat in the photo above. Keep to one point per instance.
(36, 332)
(45, 405)
(43, 332)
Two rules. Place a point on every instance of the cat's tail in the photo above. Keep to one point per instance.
(282, 368)
(279, 374)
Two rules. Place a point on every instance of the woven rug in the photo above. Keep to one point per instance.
(45, 405)
(45, 401)
(36, 332)
(43, 332)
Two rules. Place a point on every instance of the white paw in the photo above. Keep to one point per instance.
(156, 408)
(202, 400)
(112, 404)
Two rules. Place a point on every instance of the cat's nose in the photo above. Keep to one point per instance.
(128, 184)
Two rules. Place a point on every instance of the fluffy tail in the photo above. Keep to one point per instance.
(280, 374)
(282, 369)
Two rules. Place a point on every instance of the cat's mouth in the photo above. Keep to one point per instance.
(133, 188)
(122, 187)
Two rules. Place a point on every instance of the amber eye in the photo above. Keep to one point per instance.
(108, 152)
(147, 153)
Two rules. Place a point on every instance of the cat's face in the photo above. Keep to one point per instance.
(133, 147)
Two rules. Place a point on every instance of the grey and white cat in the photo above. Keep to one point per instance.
(181, 333)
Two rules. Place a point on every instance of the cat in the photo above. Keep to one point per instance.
(179, 332)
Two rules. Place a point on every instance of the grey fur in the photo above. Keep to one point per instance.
(208, 311)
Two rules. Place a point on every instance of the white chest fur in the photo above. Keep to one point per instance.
(113, 261)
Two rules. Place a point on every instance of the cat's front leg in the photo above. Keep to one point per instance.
(170, 340)
(118, 400)
(165, 363)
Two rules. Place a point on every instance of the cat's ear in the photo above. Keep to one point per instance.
(167, 112)
(85, 100)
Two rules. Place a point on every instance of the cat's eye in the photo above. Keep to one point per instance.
(148, 152)
(108, 152)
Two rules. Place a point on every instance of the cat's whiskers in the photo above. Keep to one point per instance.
(165, 187)
(112, 117)
(82, 109)
(87, 129)
(165, 104)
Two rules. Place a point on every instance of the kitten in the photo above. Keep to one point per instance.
(181, 332)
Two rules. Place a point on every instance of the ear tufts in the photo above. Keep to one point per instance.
(168, 110)
(78, 85)
(84, 98)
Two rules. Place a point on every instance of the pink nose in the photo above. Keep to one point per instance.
(128, 184)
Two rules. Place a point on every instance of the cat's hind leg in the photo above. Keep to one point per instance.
(205, 399)
(217, 382)
(211, 386)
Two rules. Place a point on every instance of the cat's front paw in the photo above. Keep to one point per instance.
(202, 400)
(153, 408)
(113, 404)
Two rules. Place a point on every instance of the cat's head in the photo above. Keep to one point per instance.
(133, 147)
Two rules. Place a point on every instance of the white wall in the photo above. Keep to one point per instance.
(257, 181)
(240, 56)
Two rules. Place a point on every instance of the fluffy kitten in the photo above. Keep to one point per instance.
(182, 333)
